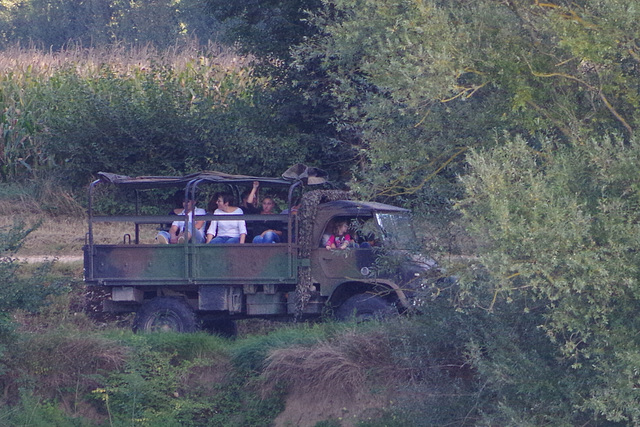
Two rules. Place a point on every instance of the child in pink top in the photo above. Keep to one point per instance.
(340, 239)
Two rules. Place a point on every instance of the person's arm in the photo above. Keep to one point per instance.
(242, 228)
(273, 227)
(211, 232)
(251, 199)
(173, 233)
(346, 242)
(331, 243)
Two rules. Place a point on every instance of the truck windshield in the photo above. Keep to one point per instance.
(397, 230)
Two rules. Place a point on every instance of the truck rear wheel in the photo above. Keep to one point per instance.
(165, 315)
(365, 307)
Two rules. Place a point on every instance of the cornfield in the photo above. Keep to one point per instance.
(69, 109)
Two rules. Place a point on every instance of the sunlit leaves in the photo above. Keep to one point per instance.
(561, 228)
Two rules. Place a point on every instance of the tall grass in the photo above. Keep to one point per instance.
(333, 369)
(24, 64)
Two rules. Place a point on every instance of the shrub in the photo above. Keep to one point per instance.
(17, 291)
(59, 363)
(337, 368)
(251, 353)
(20, 291)
(560, 223)
(165, 383)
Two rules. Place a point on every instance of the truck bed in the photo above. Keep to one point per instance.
(193, 264)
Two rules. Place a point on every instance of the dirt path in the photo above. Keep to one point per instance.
(34, 259)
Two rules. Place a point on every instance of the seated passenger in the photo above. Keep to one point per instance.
(226, 231)
(178, 198)
(267, 231)
(176, 233)
(248, 206)
(249, 198)
(294, 208)
(340, 239)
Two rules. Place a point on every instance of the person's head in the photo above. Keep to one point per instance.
(188, 204)
(224, 200)
(341, 228)
(213, 202)
(178, 198)
(268, 204)
(186, 201)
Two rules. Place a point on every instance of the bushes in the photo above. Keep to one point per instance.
(17, 292)
(160, 118)
(561, 230)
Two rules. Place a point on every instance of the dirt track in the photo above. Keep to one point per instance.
(43, 258)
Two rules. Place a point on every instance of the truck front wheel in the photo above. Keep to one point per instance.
(365, 307)
(165, 315)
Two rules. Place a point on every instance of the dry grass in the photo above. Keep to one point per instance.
(88, 61)
(61, 362)
(340, 369)
(65, 236)
(348, 379)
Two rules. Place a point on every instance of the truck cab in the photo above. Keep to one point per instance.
(184, 286)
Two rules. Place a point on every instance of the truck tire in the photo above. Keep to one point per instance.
(165, 315)
(365, 307)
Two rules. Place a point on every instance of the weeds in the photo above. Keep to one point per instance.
(337, 368)
(251, 353)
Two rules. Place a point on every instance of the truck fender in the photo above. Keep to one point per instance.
(402, 298)
(372, 284)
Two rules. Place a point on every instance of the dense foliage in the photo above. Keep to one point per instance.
(561, 229)
(534, 105)
(52, 24)
(421, 82)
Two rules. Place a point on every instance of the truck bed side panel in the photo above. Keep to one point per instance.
(139, 262)
(195, 264)
(244, 263)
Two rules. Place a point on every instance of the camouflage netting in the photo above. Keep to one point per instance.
(306, 217)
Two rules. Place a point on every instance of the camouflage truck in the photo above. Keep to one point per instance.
(184, 286)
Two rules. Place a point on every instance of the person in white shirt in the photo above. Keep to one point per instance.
(177, 232)
(233, 231)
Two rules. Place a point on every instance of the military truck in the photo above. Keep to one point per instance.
(185, 286)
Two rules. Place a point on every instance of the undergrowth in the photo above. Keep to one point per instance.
(58, 367)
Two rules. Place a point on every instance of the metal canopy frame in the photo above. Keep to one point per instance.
(294, 177)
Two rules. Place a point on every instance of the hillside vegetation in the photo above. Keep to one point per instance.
(65, 363)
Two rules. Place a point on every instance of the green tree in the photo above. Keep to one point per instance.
(53, 24)
(560, 226)
(267, 28)
(444, 76)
